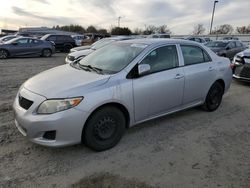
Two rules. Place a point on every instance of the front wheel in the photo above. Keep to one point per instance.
(104, 129)
(214, 97)
(3, 54)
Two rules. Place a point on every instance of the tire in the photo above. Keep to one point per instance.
(67, 48)
(214, 97)
(3, 54)
(46, 53)
(104, 129)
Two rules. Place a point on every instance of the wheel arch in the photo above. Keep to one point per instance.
(117, 105)
(222, 83)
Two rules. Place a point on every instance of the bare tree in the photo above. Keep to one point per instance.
(138, 31)
(163, 29)
(223, 29)
(243, 29)
(199, 29)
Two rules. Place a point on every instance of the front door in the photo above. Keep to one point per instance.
(162, 89)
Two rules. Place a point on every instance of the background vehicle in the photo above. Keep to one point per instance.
(159, 35)
(96, 99)
(226, 48)
(197, 39)
(78, 39)
(92, 37)
(62, 42)
(230, 38)
(97, 45)
(25, 46)
(6, 38)
(241, 66)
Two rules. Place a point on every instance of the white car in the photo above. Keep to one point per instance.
(79, 54)
(78, 39)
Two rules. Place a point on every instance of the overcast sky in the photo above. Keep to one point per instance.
(180, 15)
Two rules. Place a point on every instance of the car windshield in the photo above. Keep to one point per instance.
(11, 40)
(101, 43)
(216, 44)
(113, 58)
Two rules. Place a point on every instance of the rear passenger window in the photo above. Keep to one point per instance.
(194, 55)
(52, 38)
(238, 44)
(162, 58)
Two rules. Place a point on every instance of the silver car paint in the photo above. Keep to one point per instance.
(143, 97)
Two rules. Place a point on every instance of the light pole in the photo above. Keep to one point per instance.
(212, 17)
(119, 19)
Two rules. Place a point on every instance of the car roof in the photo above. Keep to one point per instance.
(149, 41)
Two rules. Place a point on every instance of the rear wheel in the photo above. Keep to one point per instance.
(3, 54)
(214, 97)
(46, 53)
(104, 129)
(67, 48)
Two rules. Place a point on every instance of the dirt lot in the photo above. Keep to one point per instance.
(192, 148)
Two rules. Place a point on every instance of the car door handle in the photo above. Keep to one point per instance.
(210, 68)
(179, 76)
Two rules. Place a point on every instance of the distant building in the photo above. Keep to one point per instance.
(7, 31)
(40, 31)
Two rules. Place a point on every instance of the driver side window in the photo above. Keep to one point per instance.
(162, 58)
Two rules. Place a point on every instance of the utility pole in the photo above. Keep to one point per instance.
(119, 19)
(212, 20)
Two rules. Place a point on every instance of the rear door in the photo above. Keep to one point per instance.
(36, 46)
(162, 89)
(199, 72)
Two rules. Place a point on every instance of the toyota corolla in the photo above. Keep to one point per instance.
(95, 99)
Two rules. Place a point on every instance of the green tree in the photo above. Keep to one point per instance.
(120, 31)
(91, 29)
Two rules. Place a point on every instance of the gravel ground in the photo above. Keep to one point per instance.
(191, 148)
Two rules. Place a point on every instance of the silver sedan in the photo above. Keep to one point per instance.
(128, 82)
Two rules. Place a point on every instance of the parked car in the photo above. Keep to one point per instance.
(230, 38)
(78, 39)
(241, 66)
(7, 38)
(71, 57)
(159, 35)
(120, 85)
(197, 39)
(207, 39)
(226, 48)
(92, 38)
(62, 42)
(26, 46)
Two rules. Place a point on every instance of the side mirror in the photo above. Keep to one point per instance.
(228, 48)
(14, 43)
(143, 69)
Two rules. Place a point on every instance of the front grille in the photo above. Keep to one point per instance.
(245, 72)
(24, 103)
(50, 135)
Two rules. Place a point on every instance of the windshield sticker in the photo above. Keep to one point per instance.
(139, 45)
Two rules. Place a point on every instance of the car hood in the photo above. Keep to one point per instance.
(81, 48)
(81, 53)
(64, 81)
(245, 53)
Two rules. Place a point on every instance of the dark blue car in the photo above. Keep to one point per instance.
(25, 46)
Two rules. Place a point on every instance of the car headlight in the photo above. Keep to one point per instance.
(51, 106)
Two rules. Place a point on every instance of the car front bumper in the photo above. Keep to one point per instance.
(67, 125)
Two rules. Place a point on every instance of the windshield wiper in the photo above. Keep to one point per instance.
(89, 67)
